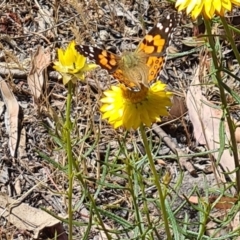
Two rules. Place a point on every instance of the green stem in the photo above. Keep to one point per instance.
(224, 103)
(146, 209)
(157, 182)
(68, 127)
(134, 198)
(93, 205)
(73, 165)
(230, 39)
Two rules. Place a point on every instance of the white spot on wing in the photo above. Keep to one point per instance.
(91, 49)
(91, 55)
(167, 30)
(160, 26)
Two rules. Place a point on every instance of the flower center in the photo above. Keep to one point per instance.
(135, 96)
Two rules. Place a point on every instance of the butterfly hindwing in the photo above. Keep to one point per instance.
(104, 58)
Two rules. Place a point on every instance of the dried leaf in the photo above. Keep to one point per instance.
(178, 108)
(193, 199)
(206, 121)
(36, 76)
(223, 202)
(161, 162)
(11, 117)
(25, 217)
(237, 132)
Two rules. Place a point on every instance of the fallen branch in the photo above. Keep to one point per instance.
(184, 161)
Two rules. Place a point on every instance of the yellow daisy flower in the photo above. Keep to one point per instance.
(72, 65)
(206, 7)
(130, 109)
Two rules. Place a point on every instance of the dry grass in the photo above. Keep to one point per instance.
(114, 195)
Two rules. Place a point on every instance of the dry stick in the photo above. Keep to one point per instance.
(184, 161)
(21, 74)
(11, 42)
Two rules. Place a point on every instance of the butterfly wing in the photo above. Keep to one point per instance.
(155, 43)
(104, 58)
(152, 48)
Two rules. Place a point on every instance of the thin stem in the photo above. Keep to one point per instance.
(230, 39)
(93, 205)
(68, 127)
(73, 165)
(146, 209)
(157, 182)
(224, 104)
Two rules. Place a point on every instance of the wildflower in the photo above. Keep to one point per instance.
(72, 65)
(207, 7)
(129, 109)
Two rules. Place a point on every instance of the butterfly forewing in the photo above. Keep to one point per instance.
(155, 43)
(157, 39)
(104, 58)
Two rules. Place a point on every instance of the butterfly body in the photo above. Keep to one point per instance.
(133, 67)
(140, 67)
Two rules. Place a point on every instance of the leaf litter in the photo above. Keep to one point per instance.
(23, 139)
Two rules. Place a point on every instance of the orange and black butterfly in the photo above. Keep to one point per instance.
(142, 66)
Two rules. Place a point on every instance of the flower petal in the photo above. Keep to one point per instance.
(208, 8)
(72, 63)
(129, 109)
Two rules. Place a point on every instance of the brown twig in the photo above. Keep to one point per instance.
(184, 161)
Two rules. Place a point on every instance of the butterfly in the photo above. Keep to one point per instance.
(142, 66)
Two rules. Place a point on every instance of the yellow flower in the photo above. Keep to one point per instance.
(207, 7)
(130, 109)
(72, 65)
